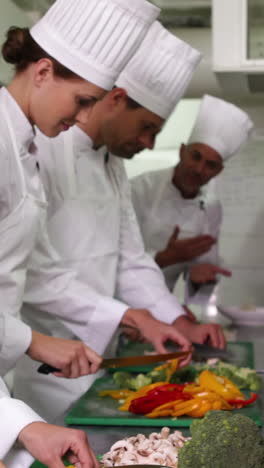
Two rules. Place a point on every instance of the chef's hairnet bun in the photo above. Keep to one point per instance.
(21, 50)
(15, 48)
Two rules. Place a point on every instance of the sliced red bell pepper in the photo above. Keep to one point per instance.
(167, 387)
(147, 403)
(242, 403)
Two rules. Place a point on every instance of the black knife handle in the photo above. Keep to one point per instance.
(47, 369)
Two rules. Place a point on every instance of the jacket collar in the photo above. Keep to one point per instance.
(23, 130)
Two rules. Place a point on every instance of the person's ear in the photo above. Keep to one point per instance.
(43, 71)
(117, 98)
(182, 149)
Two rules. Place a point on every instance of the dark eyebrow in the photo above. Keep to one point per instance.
(196, 153)
(152, 126)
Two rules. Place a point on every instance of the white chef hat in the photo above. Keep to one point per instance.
(221, 125)
(94, 38)
(160, 71)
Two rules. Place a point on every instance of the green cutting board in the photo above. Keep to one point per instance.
(37, 464)
(242, 355)
(92, 409)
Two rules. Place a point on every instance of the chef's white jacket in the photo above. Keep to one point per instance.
(15, 414)
(60, 293)
(92, 224)
(160, 207)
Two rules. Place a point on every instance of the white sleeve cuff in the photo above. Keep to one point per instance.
(15, 415)
(198, 296)
(167, 309)
(103, 323)
(16, 339)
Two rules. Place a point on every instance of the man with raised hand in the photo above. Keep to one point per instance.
(179, 221)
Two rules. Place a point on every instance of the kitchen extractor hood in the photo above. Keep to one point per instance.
(184, 13)
(238, 44)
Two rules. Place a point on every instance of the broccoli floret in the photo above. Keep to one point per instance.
(122, 378)
(254, 382)
(157, 375)
(128, 380)
(135, 383)
(186, 374)
(222, 440)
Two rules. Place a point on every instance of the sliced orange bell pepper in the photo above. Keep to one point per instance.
(189, 405)
(200, 410)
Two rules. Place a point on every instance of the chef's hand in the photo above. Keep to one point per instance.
(210, 333)
(183, 250)
(72, 357)
(2, 465)
(202, 273)
(157, 332)
(48, 444)
(133, 334)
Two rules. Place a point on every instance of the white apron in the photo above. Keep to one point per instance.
(18, 231)
(78, 231)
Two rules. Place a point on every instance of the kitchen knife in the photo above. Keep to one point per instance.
(126, 361)
(204, 351)
(136, 466)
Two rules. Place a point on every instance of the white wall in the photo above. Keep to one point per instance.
(10, 15)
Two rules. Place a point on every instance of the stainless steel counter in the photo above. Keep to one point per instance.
(101, 438)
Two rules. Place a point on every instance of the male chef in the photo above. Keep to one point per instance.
(92, 222)
(180, 225)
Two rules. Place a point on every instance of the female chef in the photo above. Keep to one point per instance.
(62, 65)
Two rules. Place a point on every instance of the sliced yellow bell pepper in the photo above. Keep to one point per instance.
(193, 388)
(220, 385)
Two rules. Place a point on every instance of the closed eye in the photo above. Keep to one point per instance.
(86, 102)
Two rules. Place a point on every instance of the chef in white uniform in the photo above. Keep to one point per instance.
(91, 219)
(179, 222)
(73, 38)
(28, 99)
(23, 433)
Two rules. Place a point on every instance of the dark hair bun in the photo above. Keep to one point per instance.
(13, 49)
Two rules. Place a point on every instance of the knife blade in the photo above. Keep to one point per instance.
(126, 361)
(137, 466)
(204, 351)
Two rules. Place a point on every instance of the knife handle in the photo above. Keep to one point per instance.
(47, 369)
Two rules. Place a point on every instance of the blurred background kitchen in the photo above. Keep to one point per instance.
(230, 35)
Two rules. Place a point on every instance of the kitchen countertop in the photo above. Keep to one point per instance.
(101, 438)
